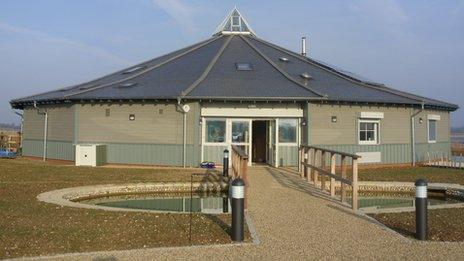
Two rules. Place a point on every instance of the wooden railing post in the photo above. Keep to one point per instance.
(343, 186)
(310, 161)
(315, 161)
(354, 182)
(322, 166)
(301, 159)
(333, 162)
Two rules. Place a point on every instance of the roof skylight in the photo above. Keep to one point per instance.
(284, 59)
(235, 24)
(243, 66)
(134, 69)
(126, 85)
(306, 76)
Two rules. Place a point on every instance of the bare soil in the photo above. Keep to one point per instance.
(31, 228)
(443, 224)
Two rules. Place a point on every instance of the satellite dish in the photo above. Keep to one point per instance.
(186, 108)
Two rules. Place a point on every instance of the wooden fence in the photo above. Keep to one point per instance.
(312, 166)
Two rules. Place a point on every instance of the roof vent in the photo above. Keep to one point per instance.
(284, 59)
(126, 85)
(86, 87)
(306, 76)
(243, 67)
(134, 69)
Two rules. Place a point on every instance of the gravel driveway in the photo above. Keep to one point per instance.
(294, 222)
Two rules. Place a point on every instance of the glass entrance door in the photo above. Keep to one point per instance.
(271, 142)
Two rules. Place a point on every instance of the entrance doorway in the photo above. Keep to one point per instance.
(259, 141)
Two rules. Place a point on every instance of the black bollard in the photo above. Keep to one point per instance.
(421, 209)
(225, 164)
(238, 209)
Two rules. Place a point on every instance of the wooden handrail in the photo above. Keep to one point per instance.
(240, 167)
(312, 165)
(354, 156)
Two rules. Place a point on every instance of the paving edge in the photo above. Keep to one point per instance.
(109, 253)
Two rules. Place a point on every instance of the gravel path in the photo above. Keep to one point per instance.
(294, 222)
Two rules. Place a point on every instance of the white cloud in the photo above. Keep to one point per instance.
(82, 47)
(180, 12)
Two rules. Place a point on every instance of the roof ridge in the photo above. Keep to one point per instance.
(279, 69)
(208, 68)
(147, 69)
(336, 72)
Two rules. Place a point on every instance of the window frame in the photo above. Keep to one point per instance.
(428, 131)
(376, 140)
(292, 143)
(206, 142)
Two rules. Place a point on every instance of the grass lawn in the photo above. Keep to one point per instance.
(411, 174)
(30, 228)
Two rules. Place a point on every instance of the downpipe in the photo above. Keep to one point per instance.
(21, 129)
(183, 109)
(45, 113)
(413, 134)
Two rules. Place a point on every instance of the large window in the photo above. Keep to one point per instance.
(240, 131)
(368, 131)
(215, 131)
(432, 131)
(287, 130)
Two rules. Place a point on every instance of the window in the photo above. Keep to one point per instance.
(368, 131)
(432, 131)
(287, 130)
(240, 131)
(215, 131)
(243, 66)
(107, 112)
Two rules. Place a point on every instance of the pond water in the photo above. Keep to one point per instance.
(373, 201)
(210, 204)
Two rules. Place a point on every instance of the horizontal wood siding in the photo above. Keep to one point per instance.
(60, 123)
(61, 150)
(214, 153)
(148, 154)
(288, 155)
(392, 153)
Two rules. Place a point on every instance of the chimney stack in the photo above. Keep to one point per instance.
(303, 45)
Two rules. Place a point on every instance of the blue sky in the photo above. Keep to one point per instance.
(416, 46)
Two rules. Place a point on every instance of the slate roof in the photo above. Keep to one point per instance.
(207, 71)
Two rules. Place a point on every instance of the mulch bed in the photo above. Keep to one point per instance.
(443, 224)
(31, 228)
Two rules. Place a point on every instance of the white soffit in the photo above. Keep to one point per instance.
(434, 117)
(370, 157)
(371, 115)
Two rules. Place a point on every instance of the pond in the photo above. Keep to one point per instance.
(391, 200)
(209, 204)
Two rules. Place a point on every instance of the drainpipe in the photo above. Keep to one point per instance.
(21, 130)
(45, 130)
(184, 132)
(413, 134)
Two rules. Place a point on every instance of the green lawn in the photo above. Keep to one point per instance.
(410, 174)
(30, 228)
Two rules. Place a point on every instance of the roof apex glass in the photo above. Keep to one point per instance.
(234, 23)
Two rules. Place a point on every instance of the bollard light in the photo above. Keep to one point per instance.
(421, 209)
(238, 209)
(225, 163)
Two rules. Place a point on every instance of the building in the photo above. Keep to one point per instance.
(234, 88)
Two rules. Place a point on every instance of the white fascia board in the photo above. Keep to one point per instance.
(371, 115)
(434, 117)
(251, 112)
